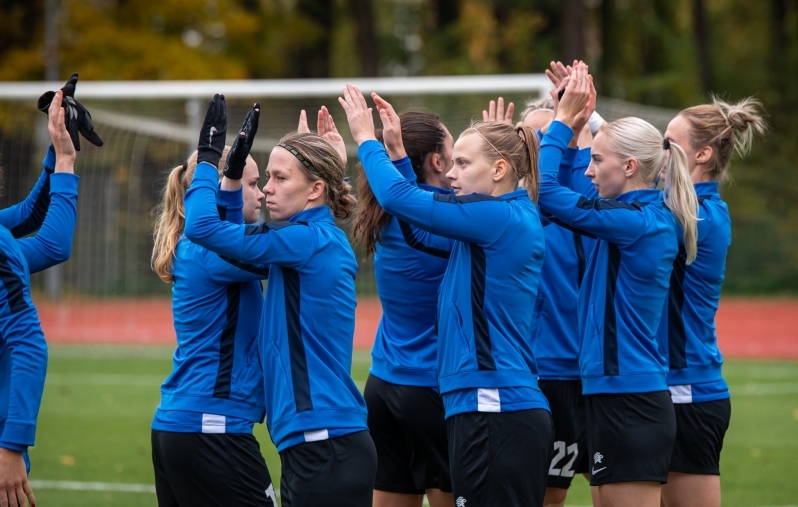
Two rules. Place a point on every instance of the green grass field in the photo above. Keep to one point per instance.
(94, 427)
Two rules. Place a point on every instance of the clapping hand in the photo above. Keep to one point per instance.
(496, 112)
(358, 114)
(77, 118)
(576, 97)
(391, 128)
(212, 134)
(237, 156)
(326, 128)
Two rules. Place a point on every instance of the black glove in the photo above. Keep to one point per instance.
(77, 119)
(214, 129)
(237, 156)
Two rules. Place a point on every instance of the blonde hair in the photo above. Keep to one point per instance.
(638, 139)
(327, 167)
(170, 216)
(726, 128)
(537, 105)
(518, 146)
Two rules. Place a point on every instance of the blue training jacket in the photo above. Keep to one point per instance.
(216, 384)
(556, 330)
(23, 351)
(626, 281)
(308, 319)
(27, 216)
(688, 321)
(409, 269)
(487, 294)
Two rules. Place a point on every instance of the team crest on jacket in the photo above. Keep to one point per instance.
(597, 457)
(460, 502)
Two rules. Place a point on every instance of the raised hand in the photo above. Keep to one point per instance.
(65, 153)
(358, 114)
(326, 128)
(558, 72)
(391, 128)
(78, 118)
(582, 117)
(237, 156)
(496, 112)
(576, 97)
(303, 128)
(212, 134)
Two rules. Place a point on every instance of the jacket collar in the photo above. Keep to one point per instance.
(650, 195)
(707, 188)
(315, 214)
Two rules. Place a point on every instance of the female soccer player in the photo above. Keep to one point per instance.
(630, 418)
(316, 416)
(406, 415)
(710, 134)
(498, 424)
(23, 351)
(214, 395)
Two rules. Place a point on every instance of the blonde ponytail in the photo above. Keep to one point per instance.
(170, 217)
(726, 128)
(681, 199)
(640, 140)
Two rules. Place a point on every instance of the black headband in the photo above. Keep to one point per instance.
(666, 144)
(299, 157)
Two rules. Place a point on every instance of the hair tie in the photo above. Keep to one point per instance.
(299, 157)
(666, 144)
(185, 165)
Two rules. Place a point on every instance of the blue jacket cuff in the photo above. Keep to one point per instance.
(559, 135)
(49, 160)
(13, 447)
(64, 183)
(206, 175)
(369, 146)
(230, 198)
(405, 168)
(21, 435)
(569, 156)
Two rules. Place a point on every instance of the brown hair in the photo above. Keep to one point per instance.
(726, 128)
(519, 146)
(423, 133)
(170, 216)
(327, 167)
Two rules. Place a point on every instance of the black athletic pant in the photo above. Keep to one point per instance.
(334, 472)
(205, 470)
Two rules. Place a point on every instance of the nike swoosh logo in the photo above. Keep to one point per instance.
(599, 470)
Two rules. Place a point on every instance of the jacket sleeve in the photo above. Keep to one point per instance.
(618, 222)
(471, 218)
(419, 239)
(21, 335)
(230, 205)
(53, 243)
(27, 216)
(578, 181)
(284, 243)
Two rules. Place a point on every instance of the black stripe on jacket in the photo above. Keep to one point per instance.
(13, 284)
(296, 346)
(227, 343)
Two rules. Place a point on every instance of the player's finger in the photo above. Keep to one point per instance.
(500, 109)
(510, 111)
(359, 96)
(29, 492)
(484, 115)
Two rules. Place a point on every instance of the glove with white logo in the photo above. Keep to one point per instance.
(78, 118)
(212, 135)
(237, 156)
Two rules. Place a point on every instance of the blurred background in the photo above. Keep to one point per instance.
(650, 58)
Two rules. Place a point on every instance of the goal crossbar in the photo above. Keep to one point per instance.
(287, 88)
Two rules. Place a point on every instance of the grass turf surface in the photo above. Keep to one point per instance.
(94, 426)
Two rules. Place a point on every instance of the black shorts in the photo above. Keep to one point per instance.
(570, 431)
(408, 426)
(630, 436)
(337, 471)
(203, 469)
(700, 428)
(500, 458)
